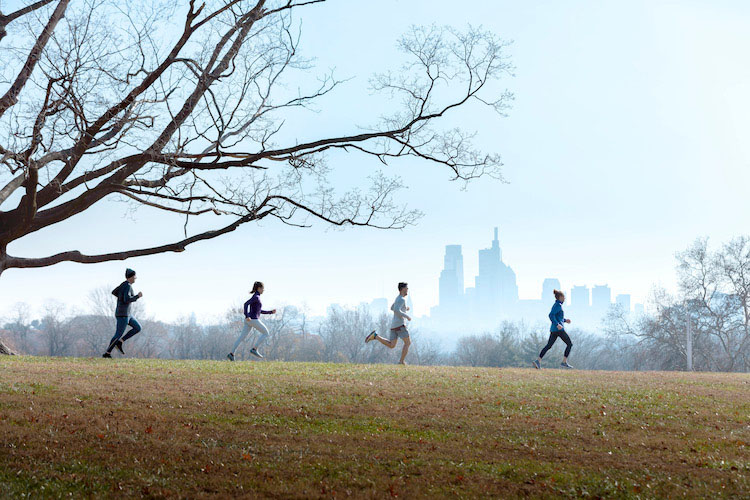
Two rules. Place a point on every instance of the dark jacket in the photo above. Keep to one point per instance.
(125, 297)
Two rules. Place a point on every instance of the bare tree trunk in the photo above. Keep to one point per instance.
(4, 349)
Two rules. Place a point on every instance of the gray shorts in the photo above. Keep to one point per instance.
(400, 332)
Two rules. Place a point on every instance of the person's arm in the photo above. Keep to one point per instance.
(272, 311)
(125, 295)
(399, 309)
(553, 315)
(246, 308)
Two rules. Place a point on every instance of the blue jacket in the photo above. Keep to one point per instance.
(253, 308)
(557, 317)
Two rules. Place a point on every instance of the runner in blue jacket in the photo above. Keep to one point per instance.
(556, 329)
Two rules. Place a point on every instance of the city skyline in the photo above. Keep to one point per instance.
(495, 297)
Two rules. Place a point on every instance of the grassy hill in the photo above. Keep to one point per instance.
(125, 427)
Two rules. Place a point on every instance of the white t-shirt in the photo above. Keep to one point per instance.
(399, 311)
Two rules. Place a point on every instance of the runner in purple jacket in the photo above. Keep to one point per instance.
(252, 310)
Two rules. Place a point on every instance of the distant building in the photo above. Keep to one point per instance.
(623, 300)
(639, 309)
(379, 306)
(601, 298)
(451, 284)
(580, 297)
(495, 286)
(548, 287)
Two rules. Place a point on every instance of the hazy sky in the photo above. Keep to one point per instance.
(628, 139)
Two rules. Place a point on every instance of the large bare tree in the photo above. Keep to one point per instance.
(181, 106)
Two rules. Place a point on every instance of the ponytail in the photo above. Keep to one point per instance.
(558, 294)
(257, 285)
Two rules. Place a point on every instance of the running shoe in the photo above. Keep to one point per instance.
(106, 355)
(230, 356)
(255, 353)
(372, 336)
(118, 346)
(536, 364)
(565, 365)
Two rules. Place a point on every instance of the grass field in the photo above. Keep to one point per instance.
(124, 427)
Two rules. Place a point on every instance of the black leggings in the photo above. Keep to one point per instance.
(552, 338)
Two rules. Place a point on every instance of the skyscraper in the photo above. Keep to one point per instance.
(548, 286)
(496, 283)
(601, 298)
(580, 297)
(623, 300)
(451, 286)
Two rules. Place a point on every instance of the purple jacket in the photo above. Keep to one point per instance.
(253, 307)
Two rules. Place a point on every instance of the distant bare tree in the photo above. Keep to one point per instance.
(343, 334)
(183, 337)
(56, 331)
(424, 350)
(714, 297)
(19, 326)
(716, 289)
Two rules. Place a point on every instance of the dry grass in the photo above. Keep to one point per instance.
(93, 428)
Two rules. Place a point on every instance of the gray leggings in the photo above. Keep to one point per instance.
(249, 325)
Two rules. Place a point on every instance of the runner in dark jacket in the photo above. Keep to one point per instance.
(125, 297)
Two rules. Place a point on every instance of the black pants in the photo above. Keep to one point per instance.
(552, 338)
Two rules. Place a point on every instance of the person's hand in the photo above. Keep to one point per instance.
(273, 311)
(408, 317)
(559, 327)
(567, 321)
(248, 320)
(407, 308)
(140, 294)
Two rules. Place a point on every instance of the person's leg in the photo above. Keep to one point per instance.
(390, 343)
(405, 349)
(245, 331)
(119, 330)
(569, 344)
(135, 327)
(258, 325)
(550, 343)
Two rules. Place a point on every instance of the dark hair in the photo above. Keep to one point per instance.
(129, 273)
(402, 285)
(257, 285)
(558, 294)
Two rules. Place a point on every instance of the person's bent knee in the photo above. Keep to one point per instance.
(407, 341)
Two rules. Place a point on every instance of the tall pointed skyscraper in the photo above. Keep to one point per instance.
(496, 288)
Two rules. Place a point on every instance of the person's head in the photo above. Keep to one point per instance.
(559, 296)
(258, 287)
(403, 288)
(130, 275)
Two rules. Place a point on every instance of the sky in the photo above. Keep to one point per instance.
(628, 139)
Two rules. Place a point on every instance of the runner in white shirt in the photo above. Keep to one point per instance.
(398, 324)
